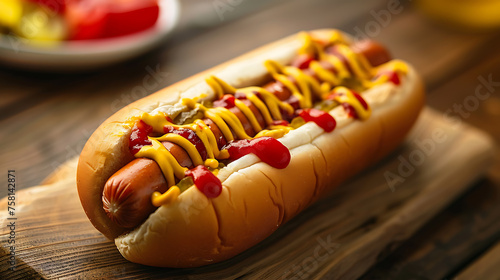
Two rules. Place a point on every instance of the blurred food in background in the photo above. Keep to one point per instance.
(474, 15)
(48, 22)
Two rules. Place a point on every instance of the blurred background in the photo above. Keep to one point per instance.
(66, 66)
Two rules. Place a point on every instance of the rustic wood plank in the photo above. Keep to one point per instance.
(484, 268)
(449, 241)
(339, 237)
(15, 88)
(46, 119)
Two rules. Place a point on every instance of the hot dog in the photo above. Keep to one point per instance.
(125, 205)
(208, 167)
(113, 190)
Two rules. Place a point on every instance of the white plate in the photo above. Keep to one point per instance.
(78, 55)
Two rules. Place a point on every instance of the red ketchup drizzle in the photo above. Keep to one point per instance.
(322, 119)
(361, 100)
(227, 101)
(191, 137)
(205, 181)
(303, 61)
(351, 112)
(393, 77)
(139, 136)
(268, 149)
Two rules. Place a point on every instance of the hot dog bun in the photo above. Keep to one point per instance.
(256, 198)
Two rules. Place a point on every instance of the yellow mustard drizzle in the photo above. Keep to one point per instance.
(210, 143)
(359, 64)
(345, 95)
(219, 86)
(167, 162)
(394, 65)
(158, 199)
(248, 114)
(305, 89)
(224, 119)
(278, 73)
(185, 144)
(324, 74)
(158, 121)
(269, 108)
(275, 131)
(308, 47)
(261, 106)
(311, 47)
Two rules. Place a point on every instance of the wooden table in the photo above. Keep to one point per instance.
(45, 118)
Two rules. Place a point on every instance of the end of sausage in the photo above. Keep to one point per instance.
(127, 194)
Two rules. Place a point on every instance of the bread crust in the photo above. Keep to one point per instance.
(256, 198)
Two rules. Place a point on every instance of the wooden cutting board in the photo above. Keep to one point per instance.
(341, 236)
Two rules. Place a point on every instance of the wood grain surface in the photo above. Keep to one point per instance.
(340, 237)
(46, 118)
